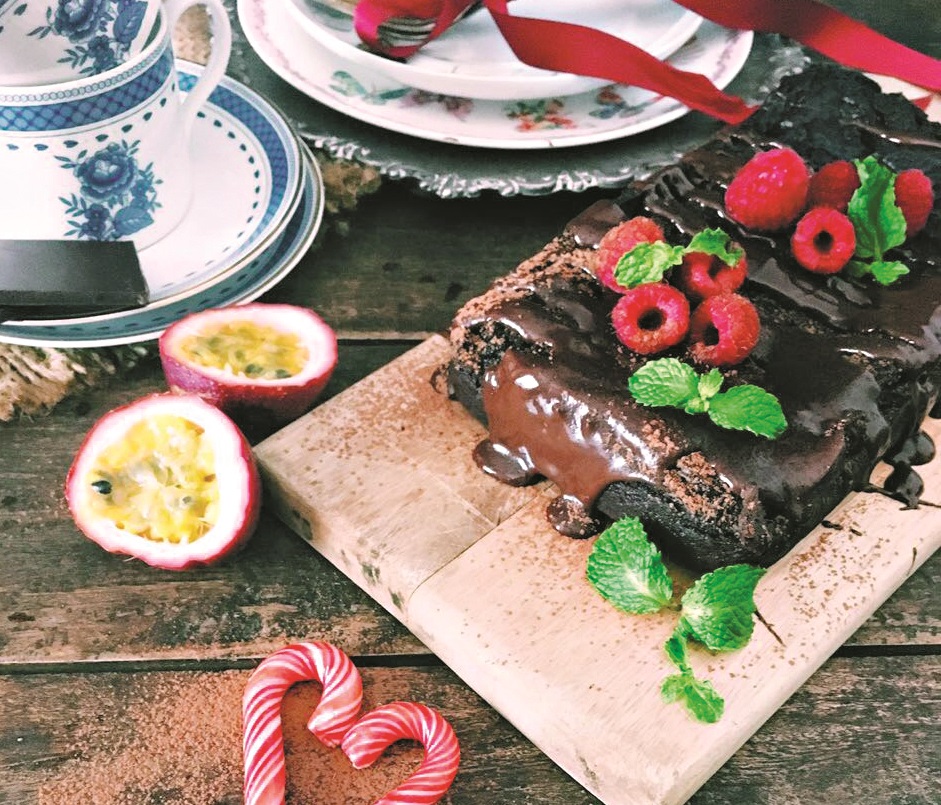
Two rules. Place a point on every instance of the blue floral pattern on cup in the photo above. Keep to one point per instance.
(116, 197)
(100, 31)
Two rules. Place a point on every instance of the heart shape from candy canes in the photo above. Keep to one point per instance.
(262, 732)
(369, 737)
(334, 722)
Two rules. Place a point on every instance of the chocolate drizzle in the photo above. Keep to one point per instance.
(855, 366)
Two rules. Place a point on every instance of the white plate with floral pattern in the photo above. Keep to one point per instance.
(472, 59)
(609, 113)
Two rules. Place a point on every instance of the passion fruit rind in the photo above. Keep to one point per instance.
(142, 462)
(283, 362)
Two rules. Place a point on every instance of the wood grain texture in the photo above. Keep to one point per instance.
(63, 599)
(510, 611)
(179, 735)
(414, 259)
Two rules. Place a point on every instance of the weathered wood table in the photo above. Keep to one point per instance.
(122, 684)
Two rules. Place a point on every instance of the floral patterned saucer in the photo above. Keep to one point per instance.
(247, 183)
(609, 113)
(257, 204)
(255, 277)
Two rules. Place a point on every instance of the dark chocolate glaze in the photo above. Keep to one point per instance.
(855, 366)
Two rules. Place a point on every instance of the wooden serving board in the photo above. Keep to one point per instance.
(381, 481)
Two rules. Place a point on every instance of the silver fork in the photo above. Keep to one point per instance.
(395, 32)
(409, 31)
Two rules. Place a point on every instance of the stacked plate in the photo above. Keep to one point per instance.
(468, 88)
(257, 205)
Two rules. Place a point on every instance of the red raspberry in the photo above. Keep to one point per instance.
(915, 197)
(723, 330)
(833, 185)
(769, 191)
(824, 240)
(618, 241)
(651, 317)
(703, 275)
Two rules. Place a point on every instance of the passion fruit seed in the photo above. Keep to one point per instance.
(247, 349)
(159, 481)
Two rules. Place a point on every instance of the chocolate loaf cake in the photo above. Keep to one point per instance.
(856, 365)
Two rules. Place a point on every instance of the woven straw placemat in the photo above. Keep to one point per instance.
(34, 380)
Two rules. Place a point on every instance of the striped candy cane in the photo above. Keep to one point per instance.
(375, 731)
(263, 737)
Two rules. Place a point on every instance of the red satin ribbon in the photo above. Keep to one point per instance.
(827, 31)
(564, 47)
(568, 48)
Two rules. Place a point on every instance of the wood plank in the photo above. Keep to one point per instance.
(63, 599)
(413, 259)
(179, 741)
(833, 742)
(498, 611)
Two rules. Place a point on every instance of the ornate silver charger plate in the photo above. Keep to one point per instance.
(455, 171)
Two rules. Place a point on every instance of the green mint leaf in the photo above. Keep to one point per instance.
(885, 273)
(676, 650)
(710, 383)
(878, 221)
(627, 569)
(665, 381)
(748, 408)
(702, 700)
(717, 243)
(697, 405)
(647, 262)
(717, 610)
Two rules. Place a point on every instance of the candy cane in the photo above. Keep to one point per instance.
(263, 738)
(375, 731)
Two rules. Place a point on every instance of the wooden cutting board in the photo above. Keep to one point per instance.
(381, 481)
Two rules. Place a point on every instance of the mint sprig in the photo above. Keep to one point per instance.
(668, 382)
(879, 223)
(699, 696)
(718, 244)
(882, 271)
(649, 262)
(750, 408)
(665, 382)
(627, 569)
(717, 611)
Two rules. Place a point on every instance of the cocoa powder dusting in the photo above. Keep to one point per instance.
(178, 741)
(177, 738)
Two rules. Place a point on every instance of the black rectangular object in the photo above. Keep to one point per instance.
(60, 277)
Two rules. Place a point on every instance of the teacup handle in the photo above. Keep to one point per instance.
(218, 58)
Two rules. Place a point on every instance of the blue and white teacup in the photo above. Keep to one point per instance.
(50, 41)
(106, 157)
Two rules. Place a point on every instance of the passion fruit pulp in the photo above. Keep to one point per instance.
(168, 479)
(263, 364)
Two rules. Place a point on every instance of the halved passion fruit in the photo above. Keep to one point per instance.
(168, 479)
(263, 364)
